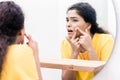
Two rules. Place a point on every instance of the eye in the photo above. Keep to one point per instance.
(67, 20)
(74, 20)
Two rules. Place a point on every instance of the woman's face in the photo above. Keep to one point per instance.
(75, 21)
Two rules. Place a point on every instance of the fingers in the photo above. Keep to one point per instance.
(28, 37)
(30, 40)
(74, 35)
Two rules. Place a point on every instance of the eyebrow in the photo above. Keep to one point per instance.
(71, 17)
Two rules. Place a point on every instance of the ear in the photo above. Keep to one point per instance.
(21, 32)
(87, 30)
(88, 26)
(20, 36)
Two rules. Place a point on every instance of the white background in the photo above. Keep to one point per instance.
(45, 21)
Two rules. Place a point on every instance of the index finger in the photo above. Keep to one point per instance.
(74, 35)
(28, 37)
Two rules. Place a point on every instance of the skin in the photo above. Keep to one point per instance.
(80, 38)
(33, 45)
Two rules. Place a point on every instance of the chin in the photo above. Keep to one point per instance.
(70, 36)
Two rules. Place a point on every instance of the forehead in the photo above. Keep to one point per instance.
(73, 13)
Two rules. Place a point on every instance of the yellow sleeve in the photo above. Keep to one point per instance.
(107, 50)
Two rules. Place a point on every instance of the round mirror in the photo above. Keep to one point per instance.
(93, 47)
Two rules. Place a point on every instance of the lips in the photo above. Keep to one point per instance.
(70, 30)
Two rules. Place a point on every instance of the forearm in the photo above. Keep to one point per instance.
(34, 47)
(74, 55)
(38, 66)
(92, 54)
(68, 75)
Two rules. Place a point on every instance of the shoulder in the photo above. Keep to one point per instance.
(19, 51)
(20, 62)
(20, 47)
(19, 55)
(102, 40)
(65, 43)
(103, 37)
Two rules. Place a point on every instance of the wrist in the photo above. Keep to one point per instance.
(74, 55)
(92, 55)
(90, 49)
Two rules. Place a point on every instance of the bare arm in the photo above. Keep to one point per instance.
(86, 42)
(34, 46)
(92, 54)
(69, 75)
(38, 66)
(79, 45)
(66, 74)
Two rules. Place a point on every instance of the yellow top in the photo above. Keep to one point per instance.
(19, 64)
(102, 43)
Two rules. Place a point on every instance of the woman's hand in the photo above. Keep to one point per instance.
(85, 40)
(32, 44)
(74, 42)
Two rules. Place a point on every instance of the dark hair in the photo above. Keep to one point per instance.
(87, 12)
(11, 22)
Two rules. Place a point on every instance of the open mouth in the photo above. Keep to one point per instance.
(70, 30)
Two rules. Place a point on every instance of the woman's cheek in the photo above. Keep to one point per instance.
(77, 33)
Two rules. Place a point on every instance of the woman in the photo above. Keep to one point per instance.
(18, 61)
(85, 40)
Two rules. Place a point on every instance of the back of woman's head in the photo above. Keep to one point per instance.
(11, 18)
(11, 22)
(88, 13)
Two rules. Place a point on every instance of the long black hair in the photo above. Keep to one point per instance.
(11, 22)
(87, 12)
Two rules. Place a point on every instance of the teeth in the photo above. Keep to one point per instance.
(70, 31)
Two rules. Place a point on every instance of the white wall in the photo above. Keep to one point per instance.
(45, 21)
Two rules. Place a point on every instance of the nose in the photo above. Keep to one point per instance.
(68, 24)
